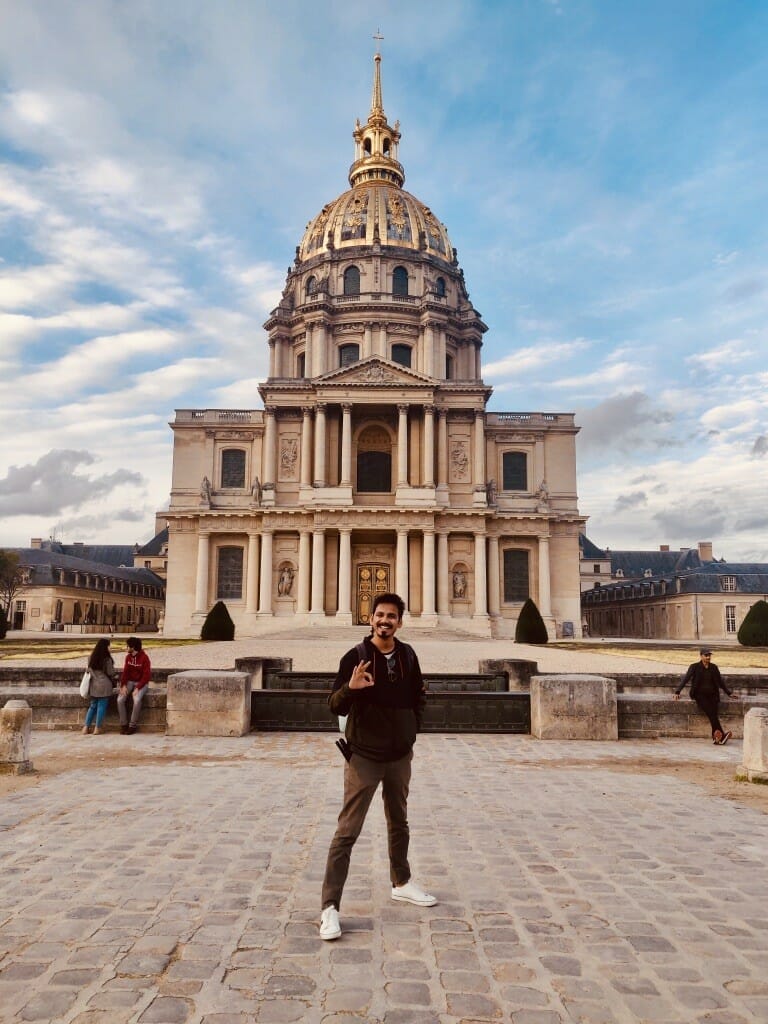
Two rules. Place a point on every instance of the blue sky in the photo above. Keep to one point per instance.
(600, 167)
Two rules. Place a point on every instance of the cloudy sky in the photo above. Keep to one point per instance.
(600, 166)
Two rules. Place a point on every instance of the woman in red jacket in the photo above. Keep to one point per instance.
(134, 680)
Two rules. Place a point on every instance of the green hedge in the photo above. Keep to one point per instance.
(754, 629)
(218, 624)
(530, 627)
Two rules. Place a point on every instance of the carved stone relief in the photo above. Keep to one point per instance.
(289, 456)
(459, 461)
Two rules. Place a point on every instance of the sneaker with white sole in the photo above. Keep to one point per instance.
(411, 893)
(329, 923)
(726, 737)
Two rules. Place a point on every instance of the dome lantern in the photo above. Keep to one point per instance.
(376, 142)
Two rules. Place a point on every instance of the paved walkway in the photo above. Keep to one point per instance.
(156, 880)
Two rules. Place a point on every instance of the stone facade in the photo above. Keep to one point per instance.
(374, 464)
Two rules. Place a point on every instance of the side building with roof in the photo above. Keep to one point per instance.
(685, 595)
(72, 592)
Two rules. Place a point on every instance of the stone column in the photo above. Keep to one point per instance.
(319, 362)
(265, 581)
(429, 447)
(318, 574)
(442, 449)
(252, 575)
(494, 590)
(429, 350)
(443, 600)
(481, 601)
(545, 606)
(272, 357)
(367, 343)
(320, 446)
(479, 459)
(402, 446)
(344, 612)
(383, 340)
(270, 447)
(428, 575)
(401, 567)
(201, 579)
(309, 354)
(346, 445)
(306, 447)
(302, 605)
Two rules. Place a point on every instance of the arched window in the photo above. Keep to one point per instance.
(233, 467)
(385, 147)
(229, 580)
(348, 354)
(440, 286)
(402, 354)
(399, 281)
(514, 471)
(311, 285)
(367, 147)
(374, 461)
(301, 365)
(351, 281)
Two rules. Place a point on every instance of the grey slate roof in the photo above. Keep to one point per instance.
(43, 562)
(588, 549)
(155, 546)
(105, 554)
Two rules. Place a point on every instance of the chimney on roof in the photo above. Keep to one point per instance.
(36, 543)
(705, 550)
(663, 547)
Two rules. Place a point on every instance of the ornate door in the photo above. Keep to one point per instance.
(372, 579)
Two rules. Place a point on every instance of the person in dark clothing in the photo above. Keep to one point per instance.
(383, 696)
(706, 684)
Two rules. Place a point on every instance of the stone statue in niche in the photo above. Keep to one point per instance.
(285, 581)
(542, 496)
(205, 490)
(490, 492)
(256, 491)
(459, 583)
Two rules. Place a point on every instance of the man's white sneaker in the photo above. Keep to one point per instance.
(411, 893)
(329, 923)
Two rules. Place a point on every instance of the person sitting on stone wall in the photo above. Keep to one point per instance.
(706, 684)
(133, 681)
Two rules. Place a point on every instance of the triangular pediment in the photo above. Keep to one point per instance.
(375, 371)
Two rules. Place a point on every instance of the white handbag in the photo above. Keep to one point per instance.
(85, 683)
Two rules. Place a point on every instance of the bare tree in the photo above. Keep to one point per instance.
(11, 579)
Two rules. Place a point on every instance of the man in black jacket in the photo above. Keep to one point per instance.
(706, 684)
(382, 693)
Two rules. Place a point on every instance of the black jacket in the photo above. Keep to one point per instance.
(384, 718)
(705, 682)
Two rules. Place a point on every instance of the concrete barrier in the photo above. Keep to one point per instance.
(207, 703)
(573, 707)
(754, 767)
(15, 737)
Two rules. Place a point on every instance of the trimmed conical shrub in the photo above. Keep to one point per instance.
(530, 625)
(754, 629)
(218, 624)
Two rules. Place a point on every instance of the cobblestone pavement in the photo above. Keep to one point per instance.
(572, 888)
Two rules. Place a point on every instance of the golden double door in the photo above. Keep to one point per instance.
(372, 579)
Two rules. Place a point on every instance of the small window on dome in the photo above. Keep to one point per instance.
(351, 281)
(402, 354)
(400, 281)
(348, 354)
(311, 286)
(367, 147)
(301, 365)
(386, 147)
(440, 286)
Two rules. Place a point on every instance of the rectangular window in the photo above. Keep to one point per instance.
(730, 618)
(233, 468)
(728, 584)
(229, 584)
(515, 575)
(514, 471)
(596, 568)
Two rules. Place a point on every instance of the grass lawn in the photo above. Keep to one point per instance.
(724, 658)
(59, 648)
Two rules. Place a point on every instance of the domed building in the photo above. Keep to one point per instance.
(374, 465)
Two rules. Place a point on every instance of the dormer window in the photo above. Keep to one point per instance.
(728, 584)
(440, 286)
(619, 574)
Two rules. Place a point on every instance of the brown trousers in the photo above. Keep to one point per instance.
(361, 780)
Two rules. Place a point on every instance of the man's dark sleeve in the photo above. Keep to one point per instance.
(686, 678)
(341, 697)
(720, 683)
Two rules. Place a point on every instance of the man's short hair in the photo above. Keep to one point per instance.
(394, 599)
(134, 643)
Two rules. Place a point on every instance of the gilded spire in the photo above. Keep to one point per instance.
(376, 141)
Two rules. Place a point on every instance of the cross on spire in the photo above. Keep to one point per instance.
(378, 37)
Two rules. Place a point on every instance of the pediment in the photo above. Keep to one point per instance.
(375, 371)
